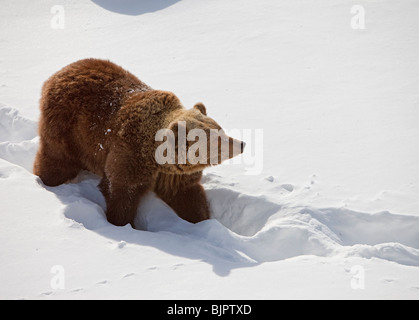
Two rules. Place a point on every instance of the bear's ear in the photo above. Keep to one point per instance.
(200, 106)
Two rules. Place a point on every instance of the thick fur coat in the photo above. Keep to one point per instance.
(97, 116)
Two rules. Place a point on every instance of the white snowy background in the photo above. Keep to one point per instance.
(333, 211)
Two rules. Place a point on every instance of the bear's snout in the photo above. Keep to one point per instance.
(236, 147)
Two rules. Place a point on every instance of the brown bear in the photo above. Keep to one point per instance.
(99, 117)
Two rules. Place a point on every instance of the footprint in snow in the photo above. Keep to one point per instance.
(152, 268)
(129, 275)
(177, 266)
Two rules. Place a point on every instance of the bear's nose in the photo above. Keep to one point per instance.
(243, 144)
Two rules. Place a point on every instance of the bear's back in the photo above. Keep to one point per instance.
(90, 85)
(79, 105)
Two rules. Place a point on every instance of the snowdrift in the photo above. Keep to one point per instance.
(333, 211)
(244, 231)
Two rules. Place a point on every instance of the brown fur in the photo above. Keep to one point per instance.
(99, 117)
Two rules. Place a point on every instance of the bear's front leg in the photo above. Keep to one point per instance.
(191, 204)
(184, 194)
(122, 201)
(125, 181)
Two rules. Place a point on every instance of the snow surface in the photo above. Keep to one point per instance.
(333, 209)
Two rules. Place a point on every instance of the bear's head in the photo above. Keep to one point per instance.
(195, 141)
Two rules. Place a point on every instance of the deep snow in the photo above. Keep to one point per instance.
(332, 212)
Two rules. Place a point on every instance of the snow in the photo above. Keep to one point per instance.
(322, 204)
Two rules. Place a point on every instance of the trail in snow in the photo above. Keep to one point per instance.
(18, 138)
(244, 229)
(337, 186)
